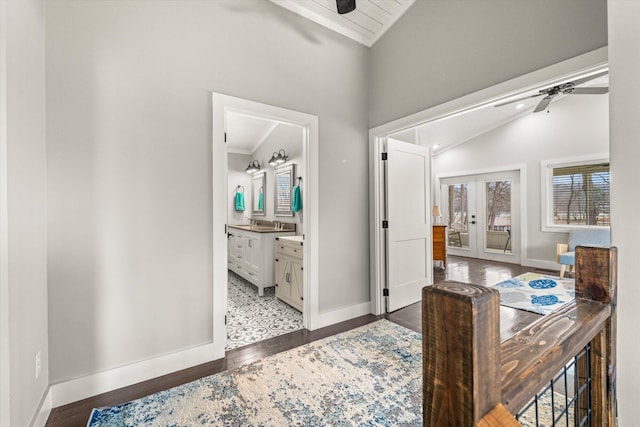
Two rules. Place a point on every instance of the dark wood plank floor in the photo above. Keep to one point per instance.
(458, 269)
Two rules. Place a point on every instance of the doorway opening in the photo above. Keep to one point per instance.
(260, 217)
(423, 128)
(251, 222)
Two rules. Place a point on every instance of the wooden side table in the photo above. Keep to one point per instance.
(440, 244)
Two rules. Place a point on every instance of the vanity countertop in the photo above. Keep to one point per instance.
(258, 228)
(297, 239)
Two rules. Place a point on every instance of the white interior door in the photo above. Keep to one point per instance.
(409, 223)
(483, 216)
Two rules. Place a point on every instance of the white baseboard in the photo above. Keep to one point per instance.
(77, 389)
(341, 314)
(539, 263)
(42, 414)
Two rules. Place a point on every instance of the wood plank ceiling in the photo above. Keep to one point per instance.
(366, 24)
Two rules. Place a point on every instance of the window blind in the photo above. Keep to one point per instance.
(581, 195)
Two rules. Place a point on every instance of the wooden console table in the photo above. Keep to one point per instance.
(440, 244)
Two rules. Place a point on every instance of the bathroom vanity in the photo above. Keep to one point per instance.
(289, 278)
(251, 252)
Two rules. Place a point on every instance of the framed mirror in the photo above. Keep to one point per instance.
(258, 194)
(285, 176)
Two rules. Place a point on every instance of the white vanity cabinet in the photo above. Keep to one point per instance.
(289, 283)
(251, 254)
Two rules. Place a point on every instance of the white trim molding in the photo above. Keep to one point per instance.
(44, 409)
(91, 385)
(342, 314)
(5, 371)
(541, 264)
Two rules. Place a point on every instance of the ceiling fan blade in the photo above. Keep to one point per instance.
(519, 99)
(543, 104)
(586, 79)
(589, 91)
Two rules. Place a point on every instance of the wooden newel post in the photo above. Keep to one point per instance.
(461, 353)
(596, 280)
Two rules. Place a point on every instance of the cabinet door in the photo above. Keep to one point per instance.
(283, 284)
(252, 253)
(296, 284)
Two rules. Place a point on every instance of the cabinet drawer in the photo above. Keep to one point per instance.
(286, 250)
(251, 276)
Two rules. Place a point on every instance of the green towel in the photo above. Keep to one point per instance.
(296, 200)
(239, 201)
(260, 201)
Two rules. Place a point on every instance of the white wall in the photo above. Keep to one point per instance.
(129, 133)
(575, 126)
(624, 63)
(288, 138)
(444, 49)
(237, 163)
(23, 266)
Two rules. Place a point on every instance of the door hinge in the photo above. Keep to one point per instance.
(385, 224)
(385, 156)
(225, 229)
(385, 292)
(225, 137)
(225, 320)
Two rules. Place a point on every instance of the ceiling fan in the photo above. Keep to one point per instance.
(568, 88)
(345, 6)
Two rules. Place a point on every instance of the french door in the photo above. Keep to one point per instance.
(483, 216)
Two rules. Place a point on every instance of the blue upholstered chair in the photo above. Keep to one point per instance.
(566, 252)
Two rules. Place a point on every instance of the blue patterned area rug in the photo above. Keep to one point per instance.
(369, 376)
(535, 292)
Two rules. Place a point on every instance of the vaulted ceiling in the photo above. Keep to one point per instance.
(246, 133)
(366, 24)
(457, 129)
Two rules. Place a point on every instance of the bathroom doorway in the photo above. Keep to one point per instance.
(265, 166)
(225, 109)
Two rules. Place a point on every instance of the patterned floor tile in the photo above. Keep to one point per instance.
(253, 318)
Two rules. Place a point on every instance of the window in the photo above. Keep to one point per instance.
(577, 194)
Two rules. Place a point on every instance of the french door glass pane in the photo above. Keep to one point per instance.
(498, 224)
(458, 201)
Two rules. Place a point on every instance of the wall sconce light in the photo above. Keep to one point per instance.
(436, 213)
(254, 166)
(278, 158)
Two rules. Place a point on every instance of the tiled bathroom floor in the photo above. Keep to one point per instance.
(253, 318)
